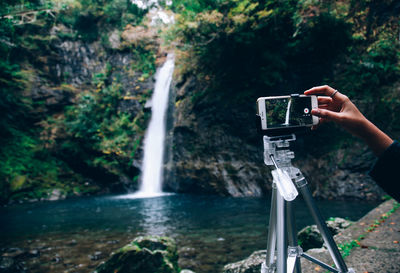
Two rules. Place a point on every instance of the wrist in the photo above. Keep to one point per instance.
(376, 139)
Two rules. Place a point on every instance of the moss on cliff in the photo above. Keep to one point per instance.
(72, 98)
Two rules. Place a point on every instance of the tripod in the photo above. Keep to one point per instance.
(282, 234)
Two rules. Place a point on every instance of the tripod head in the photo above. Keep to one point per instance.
(278, 154)
(276, 148)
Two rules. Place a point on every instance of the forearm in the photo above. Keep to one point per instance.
(376, 139)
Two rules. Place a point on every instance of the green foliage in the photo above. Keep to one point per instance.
(247, 44)
(87, 26)
(11, 100)
(27, 167)
(99, 128)
(243, 49)
(121, 12)
(18, 150)
(190, 8)
(145, 61)
(44, 150)
(93, 18)
(347, 247)
(372, 68)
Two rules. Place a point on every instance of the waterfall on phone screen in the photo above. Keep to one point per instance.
(288, 112)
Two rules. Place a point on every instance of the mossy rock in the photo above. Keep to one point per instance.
(149, 254)
(310, 237)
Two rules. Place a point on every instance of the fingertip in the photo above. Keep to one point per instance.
(308, 91)
(316, 112)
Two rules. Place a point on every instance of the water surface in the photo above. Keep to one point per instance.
(75, 235)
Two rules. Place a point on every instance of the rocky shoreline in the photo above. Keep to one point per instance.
(369, 245)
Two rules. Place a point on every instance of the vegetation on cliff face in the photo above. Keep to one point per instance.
(72, 97)
(254, 48)
(232, 52)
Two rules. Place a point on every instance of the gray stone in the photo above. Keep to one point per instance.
(6, 263)
(96, 256)
(321, 254)
(138, 35)
(337, 224)
(55, 195)
(250, 265)
(114, 39)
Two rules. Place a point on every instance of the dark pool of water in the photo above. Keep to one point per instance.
(75, 235)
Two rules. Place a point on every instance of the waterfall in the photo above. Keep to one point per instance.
(287, 118)
(152, 168)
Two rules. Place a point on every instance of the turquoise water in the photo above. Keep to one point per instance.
(210, 231)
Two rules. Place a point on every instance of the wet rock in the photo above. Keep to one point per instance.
(55, 195)
(250, 265)
(310, 237)
(144, 254)
(187, 252)
(10, 265)
(34, 253)
(6, 263)
(13, 252)
(56, 259)
(72, 243)
(96, 256)
(19, 254)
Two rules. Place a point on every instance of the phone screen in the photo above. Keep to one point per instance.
(288, 112)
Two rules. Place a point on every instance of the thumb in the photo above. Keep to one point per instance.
(326, 114)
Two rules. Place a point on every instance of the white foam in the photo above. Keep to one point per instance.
(142, 195)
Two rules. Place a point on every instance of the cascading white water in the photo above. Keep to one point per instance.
(287, 118)
(152, 168)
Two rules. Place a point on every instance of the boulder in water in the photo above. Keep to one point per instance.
(149, 254)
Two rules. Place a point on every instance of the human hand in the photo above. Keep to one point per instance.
(336, 107)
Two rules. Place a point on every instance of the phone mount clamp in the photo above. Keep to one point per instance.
(283, 252)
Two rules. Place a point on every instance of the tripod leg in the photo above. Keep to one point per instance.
(269, 261)
(325, 233)
(281, 234)
(292, 233)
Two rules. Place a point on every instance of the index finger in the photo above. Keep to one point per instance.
(326, 90)
(320, 90)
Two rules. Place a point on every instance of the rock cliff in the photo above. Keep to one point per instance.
(215, 149)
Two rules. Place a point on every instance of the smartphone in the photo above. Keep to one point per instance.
(287, 112)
